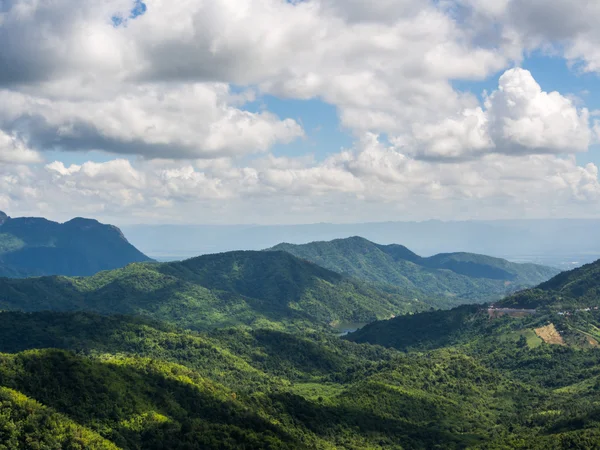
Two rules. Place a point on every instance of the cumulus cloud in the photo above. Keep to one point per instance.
(373, 176)
(153, 121)
(517, 118)
(94, 84)
(558, 26)
(14, 151)
(118, 172)
(522, 117)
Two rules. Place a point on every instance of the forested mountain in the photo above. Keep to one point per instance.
(118, 382)
(564, 310)
(253, 288)
(577, 288)
(450, 278)
(35, 246)
(569, 303)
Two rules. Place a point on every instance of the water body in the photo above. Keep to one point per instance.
(345, 328)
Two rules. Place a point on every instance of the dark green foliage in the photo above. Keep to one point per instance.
(443, 280)
(143, 384)
(35, 246)
(262, 289)
(140, 403)
(428, 330)
(559, 405)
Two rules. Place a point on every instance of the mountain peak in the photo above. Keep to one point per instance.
(82, 221)
(3, 217)
(446, 280)
(37, 246)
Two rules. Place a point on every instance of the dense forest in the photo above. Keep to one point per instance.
(262, 289)
(101, 380)
(577, 288)
(237, 350)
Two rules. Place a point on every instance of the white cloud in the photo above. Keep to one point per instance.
(193, 121)
(159, 86)
(117, 172)
(557, 26)
(523, 118)
(14, 151)
(390, 61)
(372, 181)
(518, 118)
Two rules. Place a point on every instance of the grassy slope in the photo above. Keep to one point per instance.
(252, 288)
(448, 279)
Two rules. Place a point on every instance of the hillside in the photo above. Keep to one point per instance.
(565, 323)
(450, 278)
(138, 384)
(36, 246)
(25, 424)
(576, 289)
(272, 289)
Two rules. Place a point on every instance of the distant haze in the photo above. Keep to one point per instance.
(562, 242)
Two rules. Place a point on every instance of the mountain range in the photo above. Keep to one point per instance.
(277, 289)
(31, 246)
(236, 350)
(252, 288)
(556, 242)
(449, 278)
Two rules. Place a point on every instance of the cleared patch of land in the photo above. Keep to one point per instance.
(533, 340)
(550, 335)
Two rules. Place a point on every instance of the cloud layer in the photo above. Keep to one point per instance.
(167, 95)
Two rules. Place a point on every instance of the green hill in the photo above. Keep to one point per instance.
(26, 424)
(35, 246)
(252, 288)
(449, 279)
(145, 385)
(428, 330)
(576, 289)
(564, 311)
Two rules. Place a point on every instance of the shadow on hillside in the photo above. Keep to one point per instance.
(418, 423)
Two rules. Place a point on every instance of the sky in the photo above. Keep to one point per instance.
(275, 111)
